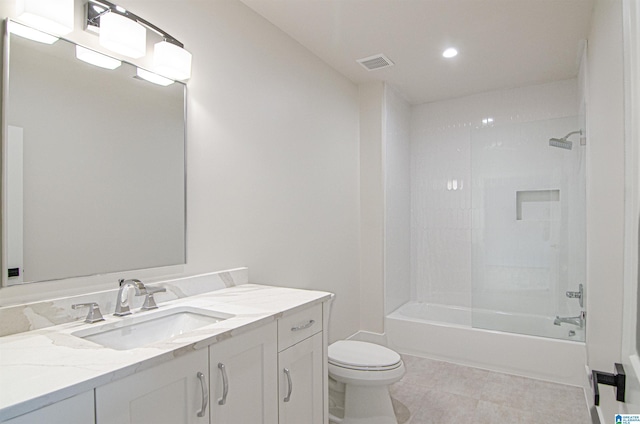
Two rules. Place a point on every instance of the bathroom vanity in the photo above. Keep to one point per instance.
(253, 354)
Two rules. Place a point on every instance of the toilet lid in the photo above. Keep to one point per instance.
(362, 355)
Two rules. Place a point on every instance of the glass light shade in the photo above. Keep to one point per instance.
(53, 16)
(30, 33)
(97, 59)
(122, 35)
(171, 61)
(153, 77)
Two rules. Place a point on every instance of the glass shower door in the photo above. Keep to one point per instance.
(528, 228)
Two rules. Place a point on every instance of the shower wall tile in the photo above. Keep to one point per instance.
(447, 137)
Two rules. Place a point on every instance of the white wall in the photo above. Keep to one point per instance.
(397, 203)
(605, 192)
(372, 206)
(273, 153)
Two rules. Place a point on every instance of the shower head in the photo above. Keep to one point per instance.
(563, 143)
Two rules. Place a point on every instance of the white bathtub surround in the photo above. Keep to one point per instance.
(559, 361)
(521, 323)
(32, 316)
(50, 364)
(469, 158)
(478, 167)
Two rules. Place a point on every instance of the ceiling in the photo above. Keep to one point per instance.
(501, 43)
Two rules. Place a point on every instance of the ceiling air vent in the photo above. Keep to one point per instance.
(377, 61)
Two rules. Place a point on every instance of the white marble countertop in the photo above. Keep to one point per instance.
(41, 367)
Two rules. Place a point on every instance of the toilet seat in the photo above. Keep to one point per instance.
(363, 356)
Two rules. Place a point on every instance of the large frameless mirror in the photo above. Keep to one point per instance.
(93, 166)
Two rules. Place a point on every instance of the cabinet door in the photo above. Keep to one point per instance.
(301, 382)
(171, 393)
(244, 378)
(76, 410)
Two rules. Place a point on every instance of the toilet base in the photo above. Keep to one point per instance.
(368, 405)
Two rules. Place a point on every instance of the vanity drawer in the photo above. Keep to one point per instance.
(298, 326)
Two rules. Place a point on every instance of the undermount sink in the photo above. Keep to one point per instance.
(152, 327)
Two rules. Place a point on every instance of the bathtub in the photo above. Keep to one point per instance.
(446, 333)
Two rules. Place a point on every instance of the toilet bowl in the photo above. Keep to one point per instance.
(362, 373)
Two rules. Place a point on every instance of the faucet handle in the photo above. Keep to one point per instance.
(577, 295)
(149, 301)
(94, 314)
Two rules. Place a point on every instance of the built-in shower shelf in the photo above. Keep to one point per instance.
(528, 204)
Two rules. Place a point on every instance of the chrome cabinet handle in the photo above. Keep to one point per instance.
(290, 383)
(205, 394)
(304, 327)
(225, 384)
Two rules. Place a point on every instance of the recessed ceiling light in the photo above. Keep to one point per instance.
(450, 52)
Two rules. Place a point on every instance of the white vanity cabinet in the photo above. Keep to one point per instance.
(273, 374)
(76, 410)
(264, 365)
(175, 392)
(301, 367)
(243, 378)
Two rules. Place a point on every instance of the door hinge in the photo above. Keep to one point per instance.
(616, 380)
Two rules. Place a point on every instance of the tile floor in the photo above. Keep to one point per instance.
(435, 392)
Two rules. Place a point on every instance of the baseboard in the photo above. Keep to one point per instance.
(367, 336)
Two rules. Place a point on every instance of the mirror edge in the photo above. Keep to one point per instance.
(4, 281)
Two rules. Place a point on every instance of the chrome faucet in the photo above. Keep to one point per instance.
(577, 321)
(122, 302)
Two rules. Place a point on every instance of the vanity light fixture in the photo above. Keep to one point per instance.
(171, 61)
(122, 35)
(170, 58)
(52, 16)
(97, 59)
(153, 77)
(31, 33)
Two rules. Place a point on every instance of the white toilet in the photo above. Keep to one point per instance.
(359, 377)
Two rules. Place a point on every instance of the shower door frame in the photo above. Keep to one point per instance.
(630, 318)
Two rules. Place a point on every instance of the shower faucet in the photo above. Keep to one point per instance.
(577, 321)
(577, 295)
